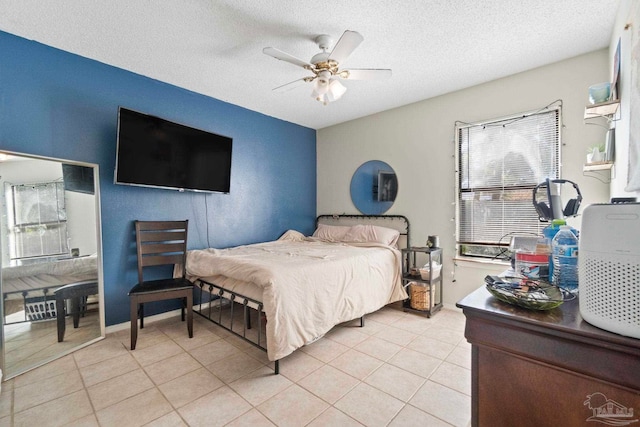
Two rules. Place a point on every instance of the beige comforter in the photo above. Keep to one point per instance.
(308, 286)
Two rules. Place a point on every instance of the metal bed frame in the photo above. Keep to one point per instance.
(222, 299)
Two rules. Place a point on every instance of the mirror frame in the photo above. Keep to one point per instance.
(364, 185)
(99, 254)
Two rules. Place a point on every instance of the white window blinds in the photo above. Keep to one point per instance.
(500, 163)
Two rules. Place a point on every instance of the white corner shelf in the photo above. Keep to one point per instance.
(608, 110)
(598, 166)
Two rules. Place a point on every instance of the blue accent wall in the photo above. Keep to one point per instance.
(57, 104)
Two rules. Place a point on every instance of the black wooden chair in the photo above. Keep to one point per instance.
(77, 293)
(160, 243)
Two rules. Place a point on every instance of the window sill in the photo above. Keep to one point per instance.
(473, 261)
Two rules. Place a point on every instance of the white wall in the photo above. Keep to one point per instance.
(417, 140)
(628, 13)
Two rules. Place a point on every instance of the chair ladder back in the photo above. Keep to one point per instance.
(161, 243)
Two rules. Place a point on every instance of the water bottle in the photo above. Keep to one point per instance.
(549, 233)
(564, 250)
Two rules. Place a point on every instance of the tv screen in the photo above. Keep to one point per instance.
(77, 178)
(155, 152)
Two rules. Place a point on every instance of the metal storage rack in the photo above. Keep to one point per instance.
(425, 291)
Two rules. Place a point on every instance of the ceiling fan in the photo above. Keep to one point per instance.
(325, 67)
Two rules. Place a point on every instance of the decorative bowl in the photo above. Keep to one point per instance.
(599, 92)
(539, 296)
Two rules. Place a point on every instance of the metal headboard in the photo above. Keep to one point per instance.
(396, 222)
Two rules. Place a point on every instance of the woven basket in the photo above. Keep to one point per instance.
(420, 296)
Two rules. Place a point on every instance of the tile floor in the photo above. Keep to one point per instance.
(401, 369)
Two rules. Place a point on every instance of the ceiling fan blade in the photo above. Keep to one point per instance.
(349, 41)
(282, 56)
(365, 74)
(291, 85)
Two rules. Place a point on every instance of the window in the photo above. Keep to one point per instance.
(37, 220)
(500, 162)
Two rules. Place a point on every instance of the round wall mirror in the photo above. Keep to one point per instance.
(374, 186)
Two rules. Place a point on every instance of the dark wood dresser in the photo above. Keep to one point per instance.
(548, 368)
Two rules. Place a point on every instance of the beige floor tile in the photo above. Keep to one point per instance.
(395, 381)
(396, 335)
(415, 324)
(99, 352)
(378, 348)
(347, 335)
(386, 316)
(55, 387)
(171, 368)
(294, 406)
(214, 409)
(190, 387)
(432, 347)
(182, 381)
(298, 365)
(51, 369)
(371, 327)
(214, 351)
(447, 335)
(260, 385)
(201, 336)
(324, 350)
(252, 418)
(119, 388)
(114, 367)
(160, 351)
(135, 411)
(356, 364)
(233, 367)
(460, 356)
(147, 337)
(172, 419)
(58, 412)
(329, 383)
(444, 403)
(334, 417)
(369, 406)
(415, 362)
(6, 401)
(411, 416)
(88, 421)
(453, 376)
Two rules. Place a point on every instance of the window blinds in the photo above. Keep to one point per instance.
(500, 163)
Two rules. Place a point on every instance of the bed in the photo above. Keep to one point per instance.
(299, 287)
(32, 285)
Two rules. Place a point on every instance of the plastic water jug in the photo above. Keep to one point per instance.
(564, 252)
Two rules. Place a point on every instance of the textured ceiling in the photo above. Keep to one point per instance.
(214, 47)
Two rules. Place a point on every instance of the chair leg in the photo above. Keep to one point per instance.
(184, 304)
(141, 315)
(134, 322)
(189, 303)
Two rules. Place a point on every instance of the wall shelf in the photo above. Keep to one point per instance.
(598, 166)
(608, 110)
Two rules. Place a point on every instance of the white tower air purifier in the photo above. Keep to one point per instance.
(609, 267)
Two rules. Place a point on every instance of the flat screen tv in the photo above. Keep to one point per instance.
(154, 152)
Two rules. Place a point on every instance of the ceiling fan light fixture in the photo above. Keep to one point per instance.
(336, 90)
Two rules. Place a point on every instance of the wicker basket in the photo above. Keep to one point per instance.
(420, 296)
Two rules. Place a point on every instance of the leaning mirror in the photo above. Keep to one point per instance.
(374, 187)
(51, 260)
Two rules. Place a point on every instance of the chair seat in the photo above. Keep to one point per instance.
(161, 285)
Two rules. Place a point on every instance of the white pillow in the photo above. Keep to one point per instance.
(331, 233)
(372, 234)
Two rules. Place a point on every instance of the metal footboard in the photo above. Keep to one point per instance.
(221, 310)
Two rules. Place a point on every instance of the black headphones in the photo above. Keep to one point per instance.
(545, 212)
